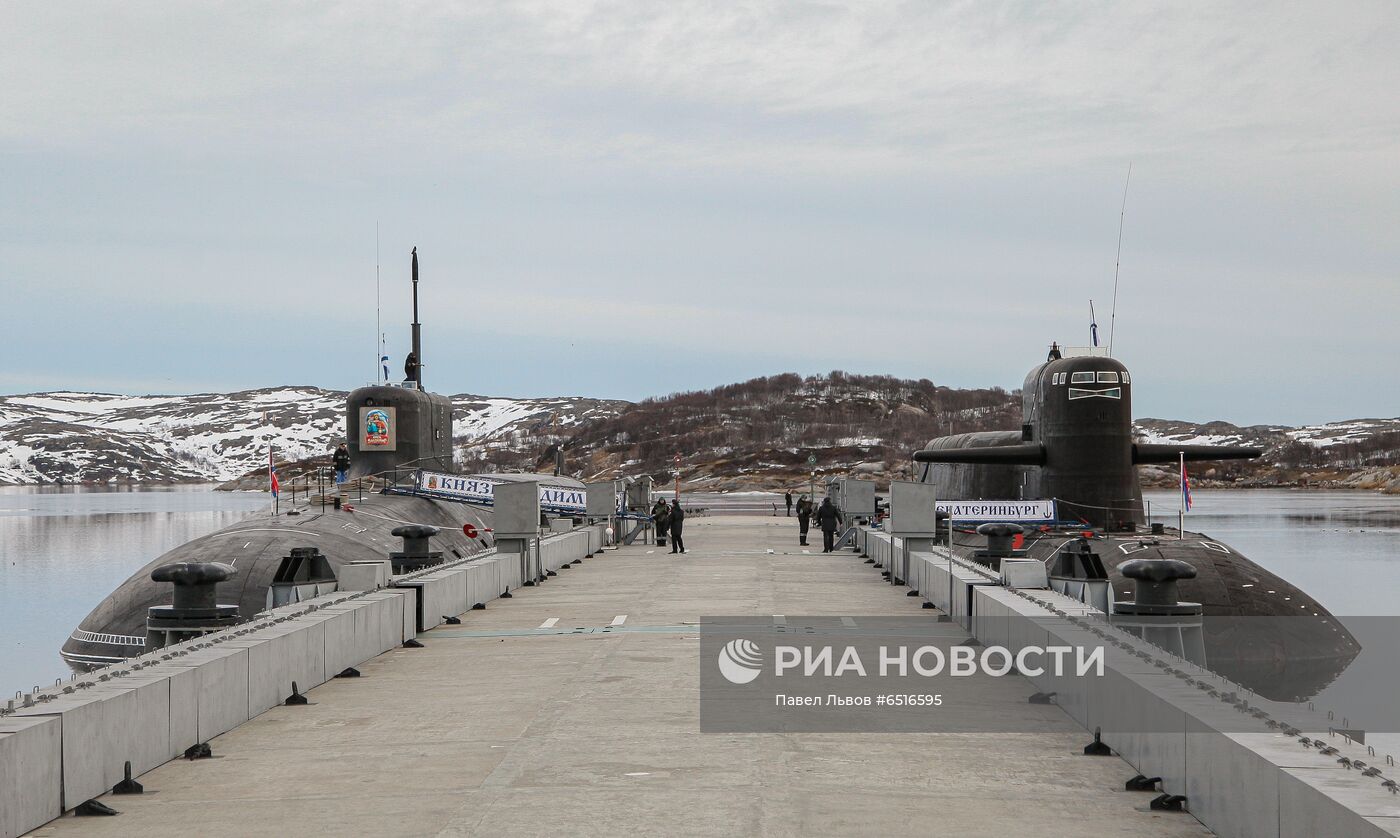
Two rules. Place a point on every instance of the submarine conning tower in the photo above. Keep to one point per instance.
(400, 426)
(1075, 446)
(1078, 410)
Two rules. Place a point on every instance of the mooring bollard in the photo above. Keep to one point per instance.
(128, 785)
(416, 554)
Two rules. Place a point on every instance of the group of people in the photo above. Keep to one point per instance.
(827, 515)
(669, 519)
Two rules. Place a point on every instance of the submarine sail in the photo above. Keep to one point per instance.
(392, 431)
(1075, 448)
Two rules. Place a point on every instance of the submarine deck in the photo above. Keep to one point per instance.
(513, 723)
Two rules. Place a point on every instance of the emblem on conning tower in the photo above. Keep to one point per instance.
(377, 428)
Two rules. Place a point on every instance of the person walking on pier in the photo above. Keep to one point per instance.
(661, 516)
(828, 518)
(787, 499)
(677, 523)
(804, 517)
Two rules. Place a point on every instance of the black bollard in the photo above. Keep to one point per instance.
(128, 785)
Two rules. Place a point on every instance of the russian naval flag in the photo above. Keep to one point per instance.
(1185, 486)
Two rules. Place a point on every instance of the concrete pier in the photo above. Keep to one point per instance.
(572, 708)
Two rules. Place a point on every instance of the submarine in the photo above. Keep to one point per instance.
(395, 432)
(1075, 449)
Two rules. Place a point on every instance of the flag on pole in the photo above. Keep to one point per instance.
(1185, 486)
(384, 362)
(272, 473)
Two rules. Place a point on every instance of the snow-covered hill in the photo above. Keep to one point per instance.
(1360, 453)
(103, 438)
(746, 432)
(1355, 439)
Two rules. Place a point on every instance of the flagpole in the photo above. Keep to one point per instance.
(271, 469)
(1181, 497)
(272, 476)
(272, 499)
(378, 327)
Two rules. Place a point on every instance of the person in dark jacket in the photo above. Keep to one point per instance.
(677, 522)
(787, 499)
(341, 461)
(661, 515)
(340, 464)
(804, 517)
(828, 518)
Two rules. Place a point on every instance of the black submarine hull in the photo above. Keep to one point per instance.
(391, 431)
(1076, 446)
(255, 547)
(1259, 629)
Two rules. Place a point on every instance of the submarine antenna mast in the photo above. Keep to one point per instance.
(378, 325)
(417, 328)
(1113, 312)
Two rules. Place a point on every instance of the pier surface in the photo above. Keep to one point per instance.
(572, 709)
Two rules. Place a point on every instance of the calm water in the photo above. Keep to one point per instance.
(1343, 548)
(63, 550)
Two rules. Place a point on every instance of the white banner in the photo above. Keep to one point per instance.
(482, 490)
(1020, 511)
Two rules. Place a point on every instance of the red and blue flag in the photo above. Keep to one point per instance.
(1185, 488)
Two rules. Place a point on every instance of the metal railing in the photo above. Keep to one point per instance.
(104, 637)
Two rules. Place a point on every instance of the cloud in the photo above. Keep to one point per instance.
(873, 87)
(920, 188)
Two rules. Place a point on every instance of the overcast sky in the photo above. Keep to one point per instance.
(626, 199)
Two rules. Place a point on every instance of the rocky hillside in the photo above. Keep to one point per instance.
(755, 434)
(1356, 454)
(761, 433)
(213, 437)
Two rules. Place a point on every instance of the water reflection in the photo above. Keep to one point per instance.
(62, 550)
(1342, 548)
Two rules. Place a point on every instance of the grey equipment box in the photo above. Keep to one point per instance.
(601, 499)
(858, 497)
(833, 491)
(912, 509)
(517, 510)
(639, 494)
(1024, 573)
